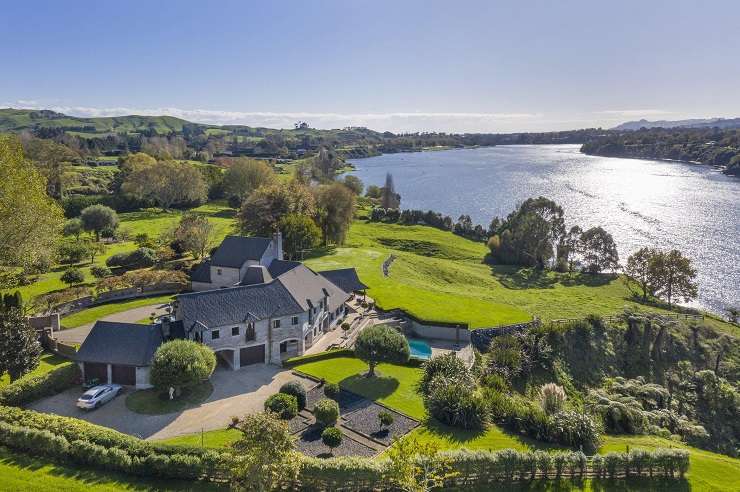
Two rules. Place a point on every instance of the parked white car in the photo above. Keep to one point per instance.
(94, 397)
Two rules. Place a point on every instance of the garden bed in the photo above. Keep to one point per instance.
(364, 420)
(309, 443)
(346, 399)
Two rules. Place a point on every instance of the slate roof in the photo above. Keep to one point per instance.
(235, 250)
(256, 274)
(202, 273)
(120, 343)
(344, 278)
(291, 293)
(279, 267)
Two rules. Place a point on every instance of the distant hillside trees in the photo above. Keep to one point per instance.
(167, 183)
(30, 221)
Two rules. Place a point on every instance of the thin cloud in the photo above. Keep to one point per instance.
(635, 112)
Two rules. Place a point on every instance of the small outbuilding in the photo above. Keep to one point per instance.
(119, 353)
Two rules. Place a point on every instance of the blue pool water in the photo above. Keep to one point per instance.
(420, 349)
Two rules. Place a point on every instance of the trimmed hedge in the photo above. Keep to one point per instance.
(30, 388)
(329, 354)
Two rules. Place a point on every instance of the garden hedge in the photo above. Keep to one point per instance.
(30, 388)
(329, 354)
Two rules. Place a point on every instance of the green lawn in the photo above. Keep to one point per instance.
(48, 362)
(394, 386)
(93, 314)
(22, 473)
(153, 402)
(210, 439)
(440, 276)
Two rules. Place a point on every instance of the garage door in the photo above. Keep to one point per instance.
(94, 370)
(252, 355)
(125, 375)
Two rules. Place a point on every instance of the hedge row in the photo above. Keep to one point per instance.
(30, 388)
(75, 429)
(39, 442)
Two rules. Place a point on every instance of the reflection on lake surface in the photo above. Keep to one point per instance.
(641, 203)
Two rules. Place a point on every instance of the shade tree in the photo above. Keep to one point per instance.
(381, 343)
(97, 218)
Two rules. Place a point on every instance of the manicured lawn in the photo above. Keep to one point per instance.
(153, 402)
(48, 362)
(93, 314)
(19, 472)
(394, 385)
(209, 439)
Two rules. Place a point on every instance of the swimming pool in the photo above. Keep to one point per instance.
(420, 349)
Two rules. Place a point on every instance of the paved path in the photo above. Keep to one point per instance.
(78, 335)
(236, 393)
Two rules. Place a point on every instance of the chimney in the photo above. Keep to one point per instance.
(277, 244)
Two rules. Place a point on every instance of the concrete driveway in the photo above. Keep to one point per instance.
(78, 335)
(236, 393)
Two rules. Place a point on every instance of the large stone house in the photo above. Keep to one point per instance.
(259, 308)
(250, 306)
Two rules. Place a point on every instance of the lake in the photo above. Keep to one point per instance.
(693, 208)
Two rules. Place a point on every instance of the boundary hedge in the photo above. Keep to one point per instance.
(31, 388)
(329, 354)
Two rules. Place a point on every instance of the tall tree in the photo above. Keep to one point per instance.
(195, 233)
(300, 233)
(52, 159)
(354, 183)
(381, 343)
(335, 209)
(20, 350)
(599, 250)
(246, 175)
(261, 213)
(676, 277)
(167, 183)
(97, 218)
(569, 247)
(388, 196)
(640, 270)
(30, 221)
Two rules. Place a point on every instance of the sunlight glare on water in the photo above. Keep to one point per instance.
(692, 208)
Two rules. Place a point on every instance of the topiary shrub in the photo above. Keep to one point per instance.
(381, 343)
(332, 437)
(284, 405)
(385, 419)
(331, 390)
(326, 412)
(295, 388)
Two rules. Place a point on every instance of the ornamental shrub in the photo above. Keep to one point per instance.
(99, 271)
(73, 276)
(181, 363)
(284, 405)
(326, 412)
(296, 389)
(139, 258)
(448, 367)
(456, 405)
(574, 429)
(385, 419)
(332, 437)
(552, 398)
(332, 390)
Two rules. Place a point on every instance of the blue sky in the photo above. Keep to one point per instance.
(389, 65)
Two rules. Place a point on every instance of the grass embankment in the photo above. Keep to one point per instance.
(48, 362)
(22, 473)
(440, 276)
(152, 222)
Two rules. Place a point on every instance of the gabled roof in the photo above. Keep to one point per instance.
(256, 274)
(236, 304)
(120, 343)
(279, 267)
(344, 278)
(235, 250)
(293, 292)
(202, 273)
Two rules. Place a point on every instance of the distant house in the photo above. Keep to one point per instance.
(119, 353)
